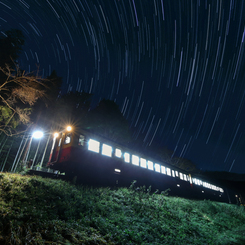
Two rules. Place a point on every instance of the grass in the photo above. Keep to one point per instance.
(34, 210)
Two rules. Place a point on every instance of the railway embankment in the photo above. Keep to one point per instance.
(36, 210)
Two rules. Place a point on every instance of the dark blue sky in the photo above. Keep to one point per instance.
(175, 68)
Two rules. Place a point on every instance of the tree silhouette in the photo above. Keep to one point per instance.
(11, 43)
(71, 108)
(106, 119)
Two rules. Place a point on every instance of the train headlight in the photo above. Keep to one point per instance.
(56, 135)
(68, 128)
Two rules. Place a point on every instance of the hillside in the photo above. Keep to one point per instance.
(34, 210)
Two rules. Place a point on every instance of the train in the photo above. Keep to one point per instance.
(95, 160)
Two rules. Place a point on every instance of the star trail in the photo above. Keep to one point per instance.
(175, 68)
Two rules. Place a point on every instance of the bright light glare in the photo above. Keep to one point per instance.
(68, 128)
(56, 135)
(37, 134)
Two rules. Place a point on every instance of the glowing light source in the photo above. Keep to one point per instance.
(37, 134)
(56, 135)
(68, 128)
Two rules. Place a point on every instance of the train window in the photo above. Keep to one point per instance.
(135, 160)
(81, 140)
(168, 171)
(106, 150)
(94, 145)
(163, 170)
(198, 182)
(181, 176)
(118, 153)
(176, 173)
(150, 165)
(67, 139)
(142, 163)
(126, 157)
(157, 167)
(173, 174)
(185, 177)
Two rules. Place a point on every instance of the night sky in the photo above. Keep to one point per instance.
(175, 68)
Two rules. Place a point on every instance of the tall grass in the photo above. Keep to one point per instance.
(34, 210)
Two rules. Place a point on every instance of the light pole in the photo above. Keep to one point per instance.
(36, 135)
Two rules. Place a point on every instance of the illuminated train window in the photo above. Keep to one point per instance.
(67, 139)
(135, 160)
(176, 173)
(168, 171)
(163, 170)
(173, 173)
(126, 157)
(157, 167)
(94, 145)
(106, 150)
(150, 165)
(81, 140)
(142, 163)
(118, 153)
(185, 178)
(181, 176)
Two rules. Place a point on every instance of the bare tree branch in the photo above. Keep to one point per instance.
(18, 92)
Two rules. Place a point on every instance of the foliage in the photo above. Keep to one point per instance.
(18, 93)
(46, 211)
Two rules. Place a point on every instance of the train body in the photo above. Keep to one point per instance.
(98, 161)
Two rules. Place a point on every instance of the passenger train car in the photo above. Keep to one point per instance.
(98, 161)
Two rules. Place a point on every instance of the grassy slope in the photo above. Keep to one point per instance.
(45, 211)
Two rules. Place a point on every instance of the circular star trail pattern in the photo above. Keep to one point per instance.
(175, 68)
